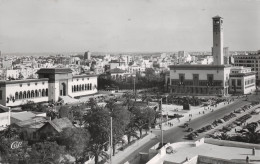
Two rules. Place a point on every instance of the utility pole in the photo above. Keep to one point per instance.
(111, 138)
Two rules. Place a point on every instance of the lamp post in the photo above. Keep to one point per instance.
(111, 138)
(161, 120)
(134, 88)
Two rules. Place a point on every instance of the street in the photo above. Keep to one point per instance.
(176, 134)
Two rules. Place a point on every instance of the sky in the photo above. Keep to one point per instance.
(126, 25)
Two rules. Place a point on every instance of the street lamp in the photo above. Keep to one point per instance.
(161, 120)
(111, 138)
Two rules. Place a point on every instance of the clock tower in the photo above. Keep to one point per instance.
(217, 49)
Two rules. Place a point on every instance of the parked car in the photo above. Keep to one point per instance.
(185, 125)
(189, 130)
(192, 136)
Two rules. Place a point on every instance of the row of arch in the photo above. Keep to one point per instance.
(81, 87)
(31, 94)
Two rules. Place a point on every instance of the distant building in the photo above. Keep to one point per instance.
(226, 55)
(242, 80)
(87, 55)
(7, 63)
(252, 61)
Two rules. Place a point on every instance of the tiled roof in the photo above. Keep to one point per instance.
(36, 122)
(55, 70)
(116, 70)
(60, 124)
(22, 116)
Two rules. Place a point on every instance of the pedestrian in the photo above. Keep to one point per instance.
(253, 151)
(235, 130)
(199, 112)
(247, 159)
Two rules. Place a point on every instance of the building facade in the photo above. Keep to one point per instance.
(199, 79)
(252, 61)
(51, 84)
(242, 80)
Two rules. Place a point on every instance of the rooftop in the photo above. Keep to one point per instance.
(212, 150)
(61, 123)
(84, 75)
(22, 116)
(36, 122)
(216, 17)
(199, 67)
(116, 70)
(55, 70)
(22, 81)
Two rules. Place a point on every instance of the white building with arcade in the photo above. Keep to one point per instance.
(51, 84)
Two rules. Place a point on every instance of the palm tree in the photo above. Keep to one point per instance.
(253, 135)
(128, 100)
(131, 129)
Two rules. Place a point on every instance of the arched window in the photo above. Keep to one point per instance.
(43, 92)
(16, 95)
(32, 93)
(36, 93)
(24, 94)
(46, 92)
(82, 87)
(28, 94)
(40, 92)
(86, 87)
(77, 88)
(20, 95)
(90, 86)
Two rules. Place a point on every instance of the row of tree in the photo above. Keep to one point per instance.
(151, 79)
(90, 139)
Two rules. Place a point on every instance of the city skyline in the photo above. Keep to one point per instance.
(125, 26)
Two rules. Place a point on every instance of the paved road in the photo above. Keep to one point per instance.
(176, 134)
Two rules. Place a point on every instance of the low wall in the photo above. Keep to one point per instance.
(231, 143)
(193, 160)
(211, 160)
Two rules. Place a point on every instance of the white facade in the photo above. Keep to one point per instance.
(18, 92)
(82, 85)
(52, 84)
(242, 80)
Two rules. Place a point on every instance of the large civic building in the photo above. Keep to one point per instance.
(52, 84)
(215, 79)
